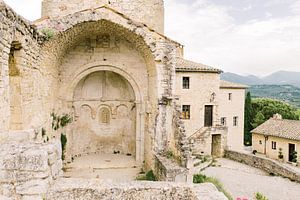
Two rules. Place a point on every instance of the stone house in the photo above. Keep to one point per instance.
(125, 84)
(212, 109)
(277, 135)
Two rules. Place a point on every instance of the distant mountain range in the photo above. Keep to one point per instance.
(287, 93)
(277, 78)
(281, 85)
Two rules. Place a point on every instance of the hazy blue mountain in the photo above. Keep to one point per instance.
(277, 78)
(248, 80)
(283, 77)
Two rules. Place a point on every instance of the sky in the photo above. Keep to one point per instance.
(241, 36)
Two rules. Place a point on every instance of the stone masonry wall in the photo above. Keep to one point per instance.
(266, 164)
(150, 12)
(167, 169)
(66, 189)
(27, 169)
(15, 29)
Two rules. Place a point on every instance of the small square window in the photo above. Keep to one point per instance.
(186, 112)
(223, 121)
(186, 82)
(235, 121)
(260, 142)
(273, 145)
(230, 96)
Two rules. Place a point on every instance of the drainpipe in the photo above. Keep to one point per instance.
(266, 139)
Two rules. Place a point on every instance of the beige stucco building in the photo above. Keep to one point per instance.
(212, 109)
(277, 135)
(126, 86)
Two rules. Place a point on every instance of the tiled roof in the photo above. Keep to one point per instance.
(282, 128)
(226, 84)
(183, 65)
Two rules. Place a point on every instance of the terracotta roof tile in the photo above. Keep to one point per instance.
(183, 65)
(282, 128)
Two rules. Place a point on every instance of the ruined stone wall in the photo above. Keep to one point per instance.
(147, 48)
(28, 169)
(150, 12)
(21, 89)
(40, 81)
(167, 169)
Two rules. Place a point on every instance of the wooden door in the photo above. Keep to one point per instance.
(208, 116)
(291, 150)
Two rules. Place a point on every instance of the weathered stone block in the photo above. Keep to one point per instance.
(32, 197)
(6, 189)
(30, 160)
(33, 187)
(13, 176)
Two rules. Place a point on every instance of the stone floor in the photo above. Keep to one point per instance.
(109, 167)
(243, 181)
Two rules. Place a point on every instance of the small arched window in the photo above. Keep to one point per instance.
(104, 116)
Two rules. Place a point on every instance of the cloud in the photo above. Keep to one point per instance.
(29, 9)
(295, 7)
(213, 37)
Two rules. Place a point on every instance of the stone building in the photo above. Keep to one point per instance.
(277, 135)
(126, 86)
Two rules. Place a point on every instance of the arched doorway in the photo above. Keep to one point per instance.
(105, 115)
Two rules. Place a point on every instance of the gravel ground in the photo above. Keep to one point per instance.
(243, 181)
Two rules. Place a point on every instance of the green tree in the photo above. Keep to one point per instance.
(264, 109)
(298, 113)
(258, 119)
(248, 120)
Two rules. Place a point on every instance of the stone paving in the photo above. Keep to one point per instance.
(243, 181)
(109, 167)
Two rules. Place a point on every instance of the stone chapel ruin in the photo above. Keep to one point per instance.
(92, 79)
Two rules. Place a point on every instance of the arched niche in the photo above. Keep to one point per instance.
(100, 94)
(104, 116)
(14, 63)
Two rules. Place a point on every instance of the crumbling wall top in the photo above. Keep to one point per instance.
(150, 12)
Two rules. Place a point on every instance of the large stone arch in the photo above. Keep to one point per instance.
(158, 54)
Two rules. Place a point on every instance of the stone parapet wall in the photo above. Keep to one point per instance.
(266, 164)
(66, 189)
(27, 170)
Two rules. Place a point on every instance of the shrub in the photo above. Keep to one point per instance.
(200, 178)
(63, 140)
(149, 176)
(48, 33)
(280, 155)
(294, 159)
(259, 196)
(60, 121)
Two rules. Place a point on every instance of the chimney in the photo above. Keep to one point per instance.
(277, 116)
